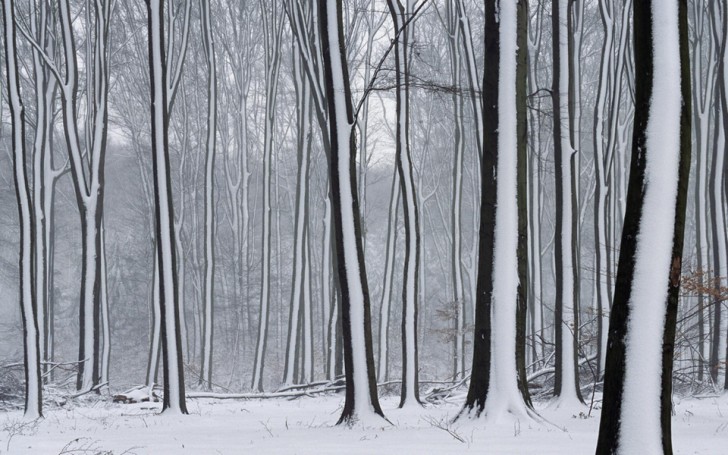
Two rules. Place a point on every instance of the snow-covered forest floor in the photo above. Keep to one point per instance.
(306, 426)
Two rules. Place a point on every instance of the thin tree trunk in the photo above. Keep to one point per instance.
(209, 266)
(566, 387)
(273, 26)
(27, 297)
(174, 386)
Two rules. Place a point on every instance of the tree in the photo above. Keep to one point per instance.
(272, 34)
(361, 389)
(388, 285)
(300, 300)
(403, 157)
(637, 403)
(28, 307)
(453, 30)
(566, 321)
(173, 372)
(207, 328)
(495, 385)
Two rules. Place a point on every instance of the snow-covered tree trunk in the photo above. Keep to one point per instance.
(272, 33)
(494, 386)
(718, 233)
(362, 401)
(403, 157)
(575, 27)
(86, 146)
(566, 388)
(45, 87)
(27, 297)
(155, 333)
(535, 171)
(704, 66)
(471, 66)
(209, 265)
(723, 99)
(637, 404)
(174, 387)
(458, 301)
(606, 10)
(300, 242)
(388, 285)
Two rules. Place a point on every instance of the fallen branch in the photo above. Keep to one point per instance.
(257, 396)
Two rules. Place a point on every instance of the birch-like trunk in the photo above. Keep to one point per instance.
(272, 32)
(362, 402)
(174, 387)
(566, 387)
(27, 297)
(209, 265)
(637, 404)
(458, 303)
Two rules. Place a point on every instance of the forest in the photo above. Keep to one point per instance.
(375, 226)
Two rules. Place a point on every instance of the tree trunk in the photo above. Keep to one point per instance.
(174, 386)
(361, 401)
(27, 297)
(635, 417)
(208, 324)
(566, 387)
(498, 375)
(410, 289)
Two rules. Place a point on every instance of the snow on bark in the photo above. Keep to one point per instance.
(410, 383)
(272, 25)
(28, 308)
(87, 157)
(209, 265)
(457, 198)
(601, 188)
(174, 393)
(718, 233)
(388, 286)
(504, 395)
(105, 353)
(352, 276)
(298, 294)
(155, 329)
(566, 390)
(640, 426)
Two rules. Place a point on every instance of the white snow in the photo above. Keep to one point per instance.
(306, 426)
(568, 396)
(165, 223)
(504, 395)
(640, 419)
(407, 179)
(362, 402)
(30, 321)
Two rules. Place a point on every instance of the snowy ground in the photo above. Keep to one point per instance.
(306, 426)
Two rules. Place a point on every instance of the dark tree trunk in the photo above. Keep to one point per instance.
(355, 306)
(522, 126)
(480, 373)
(173, 371)
(614, 385)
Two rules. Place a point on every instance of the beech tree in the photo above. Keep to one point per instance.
(28, 303)
(495, 386)
(361, 391)
(272, 19)
(173, 372)
(210, 202)
(566, 321)
(403, 157)
(637, 404)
